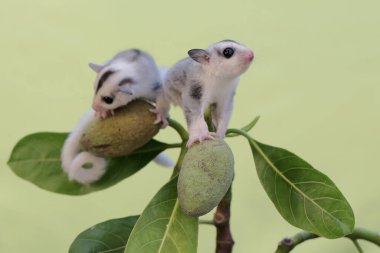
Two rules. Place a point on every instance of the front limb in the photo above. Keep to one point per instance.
(161, 110)
(221, 115)
(198, 131)
(196, 124)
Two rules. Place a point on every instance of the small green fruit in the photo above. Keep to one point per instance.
(206, 174)
(128, 129)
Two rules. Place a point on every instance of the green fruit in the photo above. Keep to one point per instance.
(128, 129)
(206, 174)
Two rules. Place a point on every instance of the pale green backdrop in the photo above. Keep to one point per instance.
(315, 82)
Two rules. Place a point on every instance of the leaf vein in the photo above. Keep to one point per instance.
(93, 240)
(168, 227)
(163, 202)
(148, 224)
(110, 250)
(324, 223)
(290, 204)
(297, 168)
(314, 182)
(277, 171)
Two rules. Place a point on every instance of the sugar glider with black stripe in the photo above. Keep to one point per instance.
(208, 77)
(129, 75)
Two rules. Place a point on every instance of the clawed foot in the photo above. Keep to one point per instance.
(104, 114)
(160, 118)
(200, 137)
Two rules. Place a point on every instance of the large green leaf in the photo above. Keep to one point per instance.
(109, 236)
(305, 197)
(163, 227)
(36, 158)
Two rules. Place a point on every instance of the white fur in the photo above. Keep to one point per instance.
(145, 75)
(217, 77)
(164, 160)
(73, 159)
(139, 67)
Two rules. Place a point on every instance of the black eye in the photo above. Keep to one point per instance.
(228, 52)
(107, 100)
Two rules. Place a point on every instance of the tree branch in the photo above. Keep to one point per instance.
(224, 240)
(287, 244)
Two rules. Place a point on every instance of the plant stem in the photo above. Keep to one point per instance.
(207, 222)
(178, 165)
(224, 240)
(179, 128)
(184, 136)
(246, 128)
(174, 145)
(287, 244)
(357, 246)
(239, 132)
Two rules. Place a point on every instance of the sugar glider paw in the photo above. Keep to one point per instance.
(160, 118)
(200, 137)
(104, 114)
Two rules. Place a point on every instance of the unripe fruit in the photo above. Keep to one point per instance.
(128, 129)
(206, 174)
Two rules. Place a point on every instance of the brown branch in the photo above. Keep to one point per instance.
(224, 240)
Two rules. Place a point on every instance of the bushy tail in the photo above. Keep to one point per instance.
(164, 160)
(82, 167)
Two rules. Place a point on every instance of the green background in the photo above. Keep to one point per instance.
(315, 82)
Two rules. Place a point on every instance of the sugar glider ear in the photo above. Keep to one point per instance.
(199, 55)
(95, 67)
(126, 89)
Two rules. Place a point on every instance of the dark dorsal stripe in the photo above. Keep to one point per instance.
(126, 80)
(233, 41)
(157, 86)
(103, 78)
(136, 55)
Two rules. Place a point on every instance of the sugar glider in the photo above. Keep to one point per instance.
(208, 77)
(129, 75)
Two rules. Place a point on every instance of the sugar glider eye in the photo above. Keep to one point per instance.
(228, 52)
(107, 100)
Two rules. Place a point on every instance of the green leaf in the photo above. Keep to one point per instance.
(246, 128)
(36, 158)
(305, 197)
(110, 236)
(163, 227)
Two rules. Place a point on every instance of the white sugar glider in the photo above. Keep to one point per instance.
(129, 75)
(206, 78)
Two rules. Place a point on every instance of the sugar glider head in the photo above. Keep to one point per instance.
(129, 75)
(226, 58)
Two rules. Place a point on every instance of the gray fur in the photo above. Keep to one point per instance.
(157, 86)
(196, 90)
(205, 79)
(130, 74)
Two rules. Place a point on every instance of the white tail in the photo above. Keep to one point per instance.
(164, 160)
(82, 167)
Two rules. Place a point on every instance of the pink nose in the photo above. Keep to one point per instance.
(250, 56)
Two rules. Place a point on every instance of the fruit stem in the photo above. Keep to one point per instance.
(207, 222)
(224, 240)
(179, 161)
(179, 128)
